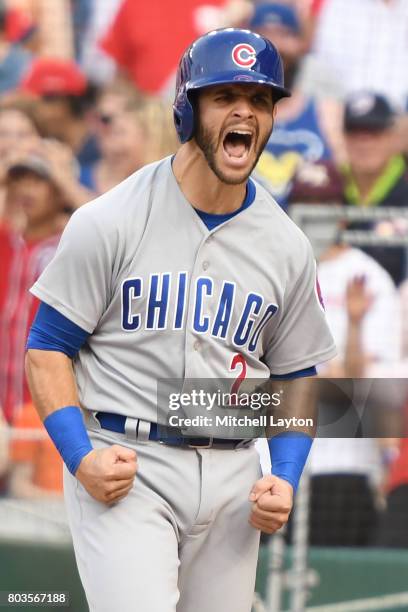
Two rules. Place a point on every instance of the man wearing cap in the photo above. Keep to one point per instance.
(305, 129)
(375, 175)
(64, 99)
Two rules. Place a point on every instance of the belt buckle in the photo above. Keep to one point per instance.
(198, 446)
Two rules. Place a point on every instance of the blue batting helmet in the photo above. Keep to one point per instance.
(225, 56)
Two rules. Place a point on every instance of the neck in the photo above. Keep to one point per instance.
(201, 187)
(75, 134)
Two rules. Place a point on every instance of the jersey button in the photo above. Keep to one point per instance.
(206, 265)
(197, 345)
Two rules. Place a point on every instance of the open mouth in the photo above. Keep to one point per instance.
(237, 144)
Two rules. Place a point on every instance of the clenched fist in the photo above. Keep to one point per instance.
(107, 474)
(272, 499)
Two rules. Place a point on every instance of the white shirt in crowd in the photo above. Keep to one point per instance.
(380, 340)
(366, 43)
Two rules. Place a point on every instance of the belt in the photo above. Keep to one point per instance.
(116, 423)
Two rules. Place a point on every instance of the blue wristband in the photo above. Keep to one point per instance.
(66, 429)
(289, 452)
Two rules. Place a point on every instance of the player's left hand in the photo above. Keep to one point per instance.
(272, 499)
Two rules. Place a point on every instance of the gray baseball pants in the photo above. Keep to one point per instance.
(179, 542)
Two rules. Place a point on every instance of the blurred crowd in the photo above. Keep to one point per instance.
(85, 100)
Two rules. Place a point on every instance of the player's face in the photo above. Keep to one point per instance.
(234, 123)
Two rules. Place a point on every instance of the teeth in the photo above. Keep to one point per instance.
(240, 132)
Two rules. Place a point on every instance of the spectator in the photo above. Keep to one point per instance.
(375, 175)
(304, 128)
(121, 137)
(20, 133)
(122, 141)
(64, 99)
(366, 45)
(148, 54)
(362, 312)
(131, 133)
(32, 189)
(20, 129)
(36, 466)
(162, 140)
(362, 309)
(14, 59)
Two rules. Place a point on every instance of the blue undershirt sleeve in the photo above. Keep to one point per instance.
(299, 374)
(52, 331)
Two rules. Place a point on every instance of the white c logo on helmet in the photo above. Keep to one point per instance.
(244, 55)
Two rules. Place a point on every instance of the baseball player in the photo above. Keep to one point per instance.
(182, 271)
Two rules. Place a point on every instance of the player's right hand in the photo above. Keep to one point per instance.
(108, 473)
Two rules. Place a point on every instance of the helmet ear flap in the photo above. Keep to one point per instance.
(183, 113)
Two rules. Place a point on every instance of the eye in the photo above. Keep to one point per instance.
(261, 99)
(223, 96)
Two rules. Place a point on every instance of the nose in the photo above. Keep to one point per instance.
(243, 108)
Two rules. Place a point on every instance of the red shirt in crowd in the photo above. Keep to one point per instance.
(147, 38)
(21, 264)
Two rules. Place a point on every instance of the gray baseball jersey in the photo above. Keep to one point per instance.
(164, 297)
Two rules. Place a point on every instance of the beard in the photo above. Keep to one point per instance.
(208, 145)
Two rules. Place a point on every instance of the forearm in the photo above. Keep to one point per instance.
(51, 381)
(298, 406)
(54, 392)
(289, 444)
